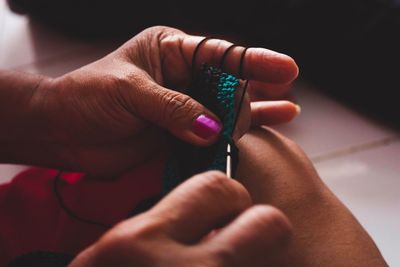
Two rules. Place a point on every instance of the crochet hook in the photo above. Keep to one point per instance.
(228, 161)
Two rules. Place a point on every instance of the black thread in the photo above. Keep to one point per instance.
(67, 210)
(194, 56)
(240, 73)
(241, 64)
(244, 88)
(222, 62)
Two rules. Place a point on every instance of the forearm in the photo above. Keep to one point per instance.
(276, 172)
(20, 117)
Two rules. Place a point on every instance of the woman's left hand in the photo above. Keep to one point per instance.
(105, 118)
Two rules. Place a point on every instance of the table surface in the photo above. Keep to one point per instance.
(358, 158)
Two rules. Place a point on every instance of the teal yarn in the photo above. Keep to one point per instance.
(216, 90)
(226, 89)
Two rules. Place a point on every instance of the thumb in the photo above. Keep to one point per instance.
(181, 115)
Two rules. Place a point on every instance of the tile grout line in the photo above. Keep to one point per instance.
(355, 149)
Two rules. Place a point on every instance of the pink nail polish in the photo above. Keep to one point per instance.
(206, 127)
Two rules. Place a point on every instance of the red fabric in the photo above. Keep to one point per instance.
(31, 218)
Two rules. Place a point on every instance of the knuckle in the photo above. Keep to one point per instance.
(159, 30)
(141, 227)
(223, 256)
(127, 240)
(153, 32)
(226, 190)
(168, 32)
(117, 82)
(168, 43)
(220, 48)
(177, 107)
(273, 219)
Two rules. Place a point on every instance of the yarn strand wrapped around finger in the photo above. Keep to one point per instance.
(216, 90)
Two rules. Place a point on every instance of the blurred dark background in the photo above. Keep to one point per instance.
(348, 48)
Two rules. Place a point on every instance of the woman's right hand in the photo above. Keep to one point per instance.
(180, 231)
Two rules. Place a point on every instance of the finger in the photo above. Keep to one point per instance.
(181, 115)
(273, 112)
(256, 238)
(259, 63)
(199, 205)
(259, 91)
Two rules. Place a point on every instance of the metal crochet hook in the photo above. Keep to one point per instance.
(228, 161)
(228, 147)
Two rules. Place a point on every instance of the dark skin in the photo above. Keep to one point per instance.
(111, 115)
(274, 173)
(176, 232)
(107, 117)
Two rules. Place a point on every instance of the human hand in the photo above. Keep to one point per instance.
(325, 232)
(180, 230)
(104, 117)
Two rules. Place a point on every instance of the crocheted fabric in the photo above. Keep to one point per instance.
(53, 235)
(216, 91)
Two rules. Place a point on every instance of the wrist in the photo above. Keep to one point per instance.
(21, 113)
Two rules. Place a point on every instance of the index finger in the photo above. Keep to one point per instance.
(259, 64)
(199, 205)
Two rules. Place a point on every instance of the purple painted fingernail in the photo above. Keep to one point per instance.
(206, 127)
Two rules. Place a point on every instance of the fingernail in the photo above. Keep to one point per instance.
(206, 127)
(298, 109)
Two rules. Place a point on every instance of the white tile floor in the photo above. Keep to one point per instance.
(355, 156)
